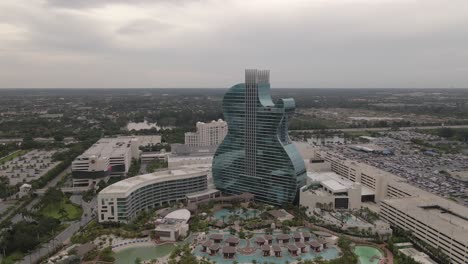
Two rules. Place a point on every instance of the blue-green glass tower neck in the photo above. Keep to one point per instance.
(257, 155)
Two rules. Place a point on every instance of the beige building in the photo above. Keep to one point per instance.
(438, 222)
(173, 226)
(329, 190)
(208, 134)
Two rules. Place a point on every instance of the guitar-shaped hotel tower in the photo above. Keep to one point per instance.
(257, 155)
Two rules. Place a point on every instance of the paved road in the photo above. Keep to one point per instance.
(66, 190)
(66, 234)
(380, 128)
(52, 183)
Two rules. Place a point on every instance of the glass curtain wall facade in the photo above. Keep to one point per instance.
(257, 155)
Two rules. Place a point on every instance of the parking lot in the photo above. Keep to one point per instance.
(28, 167)
(429, 171)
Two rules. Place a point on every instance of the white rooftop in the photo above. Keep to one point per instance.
(182, 214)
(417, 255)
(125, 187)
(331, 179)
(334, 186)
(439, 213)
(107, 147)
(335, 182)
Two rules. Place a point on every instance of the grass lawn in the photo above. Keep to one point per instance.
(13, 155)
(13, 258)
(73, 212)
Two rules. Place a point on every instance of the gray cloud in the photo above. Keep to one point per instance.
(82, 4)
(144, 26)
(112, 43)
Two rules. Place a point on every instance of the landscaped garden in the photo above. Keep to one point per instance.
(63, 210)
(57, 205)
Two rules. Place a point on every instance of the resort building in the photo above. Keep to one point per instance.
(329, 190)
(257, 156)
(208, 134)
(378, 184)
(122, 201)
(173, 226)
(440, 223)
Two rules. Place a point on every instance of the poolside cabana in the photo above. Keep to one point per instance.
(214, 249)
(219, 224)
(282, 238)
(260, 241)
(297, 237)
(217, 238)
(229, 252)
(206, 245)
(292, 249)
(277, 250)
(306, 236)
(314, 245)
(269, 239)
(322, 242)
(232, 241)
(266, 250)
(301, 246)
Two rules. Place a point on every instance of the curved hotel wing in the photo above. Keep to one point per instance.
(257, 155)
(122, 201)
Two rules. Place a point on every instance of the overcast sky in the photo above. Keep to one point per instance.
(208, 43)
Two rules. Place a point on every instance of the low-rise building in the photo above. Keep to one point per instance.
(180, 161)
(331, 191)
(107, 157)
(321, 140)
(173, 226)
(147, 157)
(416, 255)
(24, 190)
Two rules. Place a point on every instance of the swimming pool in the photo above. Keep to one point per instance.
(368, 254)
(225, 213)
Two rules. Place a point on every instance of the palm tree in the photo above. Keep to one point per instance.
(63, 213)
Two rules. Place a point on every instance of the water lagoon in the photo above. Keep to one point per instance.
(129, 255)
